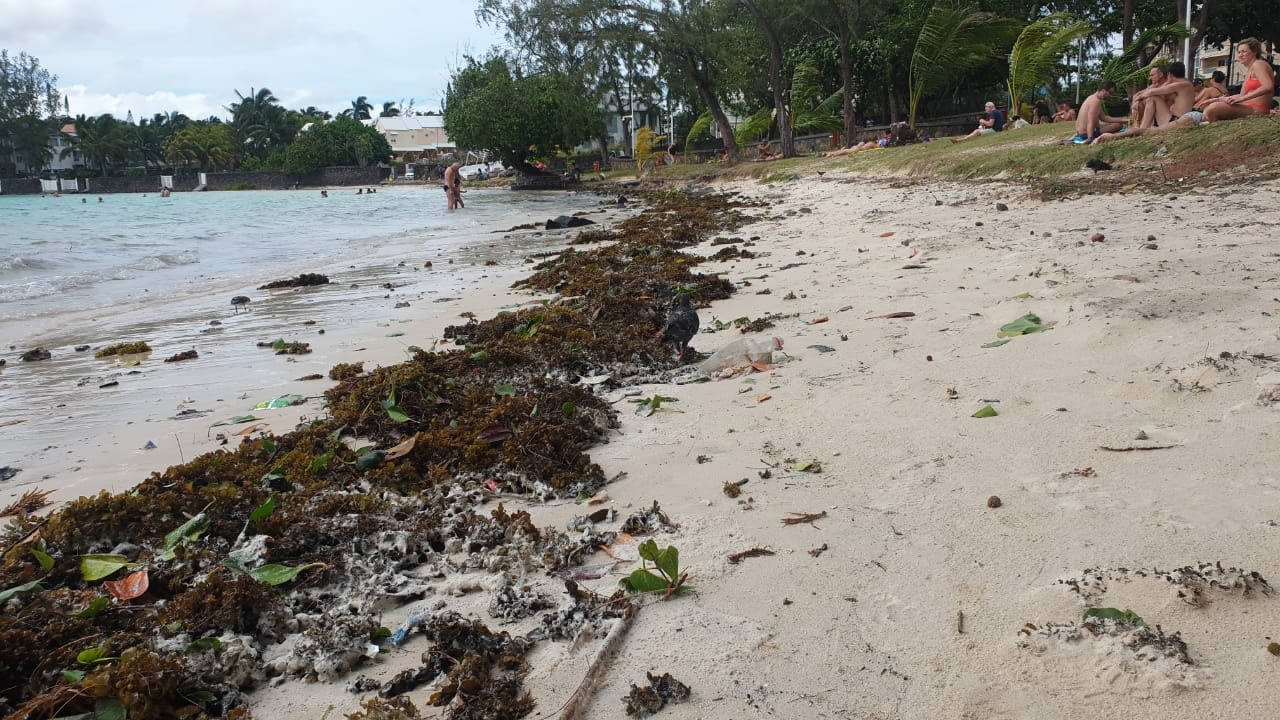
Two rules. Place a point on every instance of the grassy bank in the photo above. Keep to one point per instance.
(1033, 153)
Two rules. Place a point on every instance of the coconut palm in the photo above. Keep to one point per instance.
(314, 113)
(101, 140)
(389, 109)
(1130, 67)
(954, 40)
(1040, 46)
(260, 124)
(360, 108)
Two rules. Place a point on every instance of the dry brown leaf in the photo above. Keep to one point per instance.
(761, 367)
(891, 316)
(762, 398)
(888, 234)
(402, 449)
(130, 587)
(802, 518)
(250, 429)
(1130, 278)
(7, 423)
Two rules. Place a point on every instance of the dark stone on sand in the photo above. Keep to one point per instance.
(994, 501)
(303, 280)
(1150, 246)
(7, 472)
(36, 354)
(402, 305)
(1001, 207)
(81, 348)
(215, 322)
(568, 221)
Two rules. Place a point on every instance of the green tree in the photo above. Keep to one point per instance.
(489, 107)
(1033, 62)
(28, 97)
(101, 140)
(344, 141)
(389, 109)
(955, 39)
(360, 108)
(207, 146)
(260, 124)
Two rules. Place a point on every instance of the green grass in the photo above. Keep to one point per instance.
(1030, 153)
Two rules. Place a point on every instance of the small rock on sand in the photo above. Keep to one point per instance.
(994, 501)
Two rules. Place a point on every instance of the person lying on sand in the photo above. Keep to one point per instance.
(766, 152)
(1093, 121)
(992, 122)
(865, 145)
(1168, 104)
(1256, 93)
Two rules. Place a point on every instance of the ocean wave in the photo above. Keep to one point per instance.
(64, 283)
(18, 262)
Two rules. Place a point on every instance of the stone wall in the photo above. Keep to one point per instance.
(264, 180)
(20, 186)
(347, 176)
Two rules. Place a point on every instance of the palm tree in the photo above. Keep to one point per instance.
(1130, 67)
(1034, 59)
(389, 109)
(953, 40)
(360, 108)
(101, 140)
(259, 122)
(315, 113)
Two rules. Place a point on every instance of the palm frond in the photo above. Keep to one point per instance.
(1036, 53)
(954, 40)
(701, 127)
(810, 111)
(1126, 69)
(754, 127)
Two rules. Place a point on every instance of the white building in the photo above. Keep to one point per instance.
(423, 135)
(57, 143)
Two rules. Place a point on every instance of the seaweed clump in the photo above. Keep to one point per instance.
(236, 542)
(303, 280)
(130, 348)
(345, 371)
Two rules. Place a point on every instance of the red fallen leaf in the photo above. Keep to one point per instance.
(494, 434)
(492, 485)
(402, 449)
(888, 234)
(822, 319)
(761, 367)
(130, 587)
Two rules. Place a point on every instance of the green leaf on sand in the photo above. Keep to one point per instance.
(42, 557)
(269, 446)
(109, 709)
(283, 401)
(986, 412)
(996, 343)
(33, 586)
(568, 410)
(237, 420)
(263, 511)
(370, 460)
(279, 574)
(392, 410)
(1120, 616)
(320, 461)
(505, 390)
(94, 608)
(1025, 325)
(73, 677)
(278, 344)
(95, 567)
(643, 581)
(205, 643)
(189, 531)
(479, 355)
(94, 656)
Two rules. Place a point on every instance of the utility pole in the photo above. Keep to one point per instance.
(1186, 52)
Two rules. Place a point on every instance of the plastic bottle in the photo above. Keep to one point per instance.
(742, 352)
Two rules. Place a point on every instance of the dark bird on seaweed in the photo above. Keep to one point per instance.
(682, 324)
(239, 301)
(1097, 164)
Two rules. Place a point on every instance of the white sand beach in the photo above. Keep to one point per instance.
(1137, 436)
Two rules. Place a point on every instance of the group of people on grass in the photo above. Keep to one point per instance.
(1169, 101)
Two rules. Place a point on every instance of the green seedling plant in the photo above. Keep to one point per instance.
(667, 580)
(651, 405)
(1125, 616)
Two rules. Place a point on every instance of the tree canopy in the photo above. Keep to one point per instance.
(344, 141)
(488, 106)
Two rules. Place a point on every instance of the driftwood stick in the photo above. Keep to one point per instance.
(581, 699)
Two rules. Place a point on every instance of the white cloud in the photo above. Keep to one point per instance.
(194, 105)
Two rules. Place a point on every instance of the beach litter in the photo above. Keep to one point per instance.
(892, 316)
(986, 411)
(644, 701)
(738, 557)
(283, 401)
(800, 518)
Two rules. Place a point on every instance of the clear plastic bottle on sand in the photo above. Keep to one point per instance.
(742, 352)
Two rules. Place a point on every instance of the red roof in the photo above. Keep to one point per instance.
(69, 128)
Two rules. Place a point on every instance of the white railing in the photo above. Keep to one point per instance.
(70, 185)
(48, 186)
(204, 179)
(166, 181)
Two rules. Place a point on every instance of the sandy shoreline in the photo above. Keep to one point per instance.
(914, 607)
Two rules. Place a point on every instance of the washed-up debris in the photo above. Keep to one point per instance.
(345, 371)
(803, 518)
(185, 355)
(760, 324)
(807, 466)
(303, 280)
(994, 501)
(648, 521)
(816, 552)
(822, 348)
(892, 316)
(31, 501)
(7, 472)
(734, 489)
(313, 376)
(36, 354)
(1133, 448)
(738, 557)
(189, 413)
(283, 401)
(986, 411)
(644, 701)
(109, 384)
(130, 348)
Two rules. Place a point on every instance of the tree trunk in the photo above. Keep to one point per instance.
(703, 85)
(1126, 24)
(892, 104)
(846, 70)
(781, 102)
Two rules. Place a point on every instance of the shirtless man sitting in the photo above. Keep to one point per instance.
(1065, 113)
(1168, 105)
(1092, 121)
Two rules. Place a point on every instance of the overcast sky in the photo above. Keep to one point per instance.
(150, 56)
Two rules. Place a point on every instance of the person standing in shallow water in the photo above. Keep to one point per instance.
(453, 186)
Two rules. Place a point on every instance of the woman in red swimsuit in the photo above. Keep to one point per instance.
(1255, 96)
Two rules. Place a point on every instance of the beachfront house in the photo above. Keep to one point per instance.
(1211, 58)
(58, 142)
(422, 135)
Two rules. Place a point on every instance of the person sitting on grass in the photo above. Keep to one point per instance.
(1093, 121)
(1255, 95)
(1170, 103)
(1065, 113)
(1212, 90)
(1042, 114)
(989, 124)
